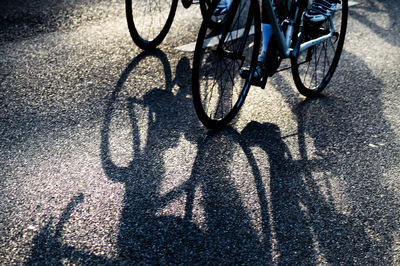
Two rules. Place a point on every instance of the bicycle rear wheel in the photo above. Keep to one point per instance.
(149, 21)
(313, 68)
(218, 90)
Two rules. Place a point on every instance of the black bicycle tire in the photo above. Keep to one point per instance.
(139, 40)
(206, 120)
(316, 90)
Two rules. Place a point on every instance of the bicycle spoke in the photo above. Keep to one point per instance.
(218, 96)
(322, 58)
(150, 21)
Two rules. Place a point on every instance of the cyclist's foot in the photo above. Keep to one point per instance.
(259, 76)
(320, 10)
(222, 7)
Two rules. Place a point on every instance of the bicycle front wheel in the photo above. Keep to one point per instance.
(313, 68)
(149, 21)
(218, 89)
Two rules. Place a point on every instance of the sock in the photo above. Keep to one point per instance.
(266, 34)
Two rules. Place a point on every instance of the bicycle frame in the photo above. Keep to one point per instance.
(226, 61)
(284, 40)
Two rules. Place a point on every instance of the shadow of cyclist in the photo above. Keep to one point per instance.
(230, 237)
(304, 221)
(287, 223)
(48, 248)
(352, 215)
(147, 235)
(384, 28)
(144, 236)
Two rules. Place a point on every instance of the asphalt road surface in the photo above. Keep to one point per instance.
(103, 160)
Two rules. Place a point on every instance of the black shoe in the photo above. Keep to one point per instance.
(259, 77)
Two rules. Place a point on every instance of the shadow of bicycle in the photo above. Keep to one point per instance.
(206, 217)
(382, 27)
(145, 235)
(343, 137)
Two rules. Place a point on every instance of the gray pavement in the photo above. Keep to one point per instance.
(103, 160)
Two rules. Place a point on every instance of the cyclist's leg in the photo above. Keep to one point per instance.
(281, 7)
(266, 55)
(267, 31)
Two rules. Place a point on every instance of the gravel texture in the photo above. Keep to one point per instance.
(103, 160)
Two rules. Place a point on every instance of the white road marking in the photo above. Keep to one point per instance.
(352, 3)
(212, 41)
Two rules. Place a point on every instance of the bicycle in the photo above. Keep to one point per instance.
(149, 21)
(314, 50)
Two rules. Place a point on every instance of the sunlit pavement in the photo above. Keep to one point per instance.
(103, 160)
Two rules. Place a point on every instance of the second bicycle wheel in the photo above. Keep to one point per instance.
(218, 89)
(149, 20)
(313, 68)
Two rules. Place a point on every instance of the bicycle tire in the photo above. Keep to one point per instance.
(220, 66)
(313, 68)
(149, 21)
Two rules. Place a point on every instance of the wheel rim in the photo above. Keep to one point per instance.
(150, 19)
(217, 85)
(315, 66)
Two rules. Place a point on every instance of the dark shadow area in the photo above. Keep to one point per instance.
(20, 19)
(354, 145)
(144, 235)
(389, 33)
(301, 220)
(149, 238)
(48, 248)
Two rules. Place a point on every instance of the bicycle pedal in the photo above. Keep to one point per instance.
(245, 74)
(259, 83)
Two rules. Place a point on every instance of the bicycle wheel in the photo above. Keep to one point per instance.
(149, 21)
(218, 90)
(216, 22)
(313, 68)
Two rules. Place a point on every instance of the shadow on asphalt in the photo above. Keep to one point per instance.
(352, 138)
(20, 19)
(391, 10)
(299, 222)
